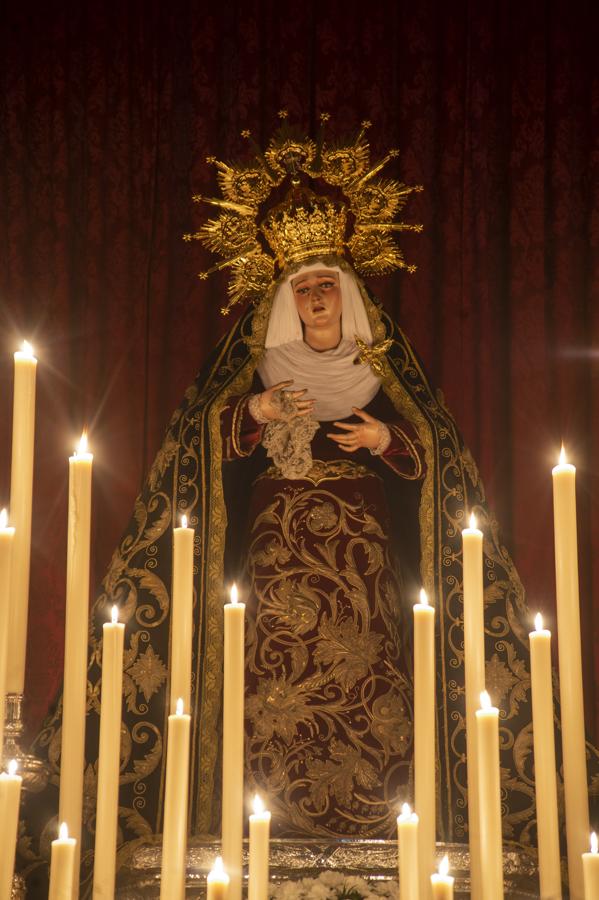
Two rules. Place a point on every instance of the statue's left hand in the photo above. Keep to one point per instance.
(365, 434)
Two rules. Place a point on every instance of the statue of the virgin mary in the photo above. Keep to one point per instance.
(323, 473)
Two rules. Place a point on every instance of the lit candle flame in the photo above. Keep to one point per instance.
(81, 448)
(472, 520)
(539, 622)
(179, 707)
(184, 521)
(63, 832)
(423, 597)
(114, 614)
(444, 866)
(258, 805)
(234, 594)
(485, 701)
(562, 456)
(3, 519)
(406, 810)
(218, 869)
(26, 348)
(594, 843)
(12, 767)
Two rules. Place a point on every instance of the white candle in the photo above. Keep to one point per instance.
(442, 884)
(487, 727)
(424, 737)
(217, 882)
(181, 615)
(233, 688)
(21, 489)
(550, 881)
(259, 849)
(174, 833)
(6, 547)
(570, 671)
(10, 794)
(407, 837)
(72, 758)
(62, 865)
(590, 867)
(474, 666)
(111, 705)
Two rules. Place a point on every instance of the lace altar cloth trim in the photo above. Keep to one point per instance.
(291, 860)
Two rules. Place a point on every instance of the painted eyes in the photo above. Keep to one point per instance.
(325, 285)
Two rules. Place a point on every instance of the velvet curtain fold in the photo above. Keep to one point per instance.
(107, 113)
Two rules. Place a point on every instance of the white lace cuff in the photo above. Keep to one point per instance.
(384, 441)
(255, 409)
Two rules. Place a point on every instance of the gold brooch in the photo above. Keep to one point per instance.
(373, 356)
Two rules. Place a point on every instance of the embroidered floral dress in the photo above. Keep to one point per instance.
(328, 696)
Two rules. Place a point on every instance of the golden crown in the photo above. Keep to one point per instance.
(334, 204)
(305, 226)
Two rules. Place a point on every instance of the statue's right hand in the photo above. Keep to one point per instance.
(272, 410)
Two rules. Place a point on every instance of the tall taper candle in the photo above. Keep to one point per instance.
(21, 490)
(570, 671)
(550, 880)
(442, 883)
(6, 545)
(259, 850)
(75, 653)
(111, 707)
(474, 666)
(217, 882)
(590, 867)
(491, 842)
(10, 794)
(407, 837)
(424, 738)
(62, 865)
(232, 813)
(181, 615)
(174, 832)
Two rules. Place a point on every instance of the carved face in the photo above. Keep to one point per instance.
(318, 298)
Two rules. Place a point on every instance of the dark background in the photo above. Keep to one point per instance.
(107, 112)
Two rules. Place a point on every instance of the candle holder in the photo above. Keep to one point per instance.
(290, 860)
(18, 891)
(34, 772)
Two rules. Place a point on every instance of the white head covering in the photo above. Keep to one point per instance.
(330, 376)
(285, 324)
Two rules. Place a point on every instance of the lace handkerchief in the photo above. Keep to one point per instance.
(288, 440)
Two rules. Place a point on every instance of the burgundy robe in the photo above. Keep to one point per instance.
(328, 675)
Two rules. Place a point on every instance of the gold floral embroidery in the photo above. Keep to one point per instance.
(148, 672)
(278, 707)
(339, 776)
(349, 652)
(163, 458)
(391, 723)
(322, 518)
(328, 708)
(498, 679)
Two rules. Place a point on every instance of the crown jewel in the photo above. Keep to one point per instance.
(335, 204)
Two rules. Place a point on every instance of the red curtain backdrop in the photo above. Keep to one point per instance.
(107, 112)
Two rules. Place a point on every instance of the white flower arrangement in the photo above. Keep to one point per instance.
(334, 886)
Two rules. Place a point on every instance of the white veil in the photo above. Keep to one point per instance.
(285, 324)
(331, 377)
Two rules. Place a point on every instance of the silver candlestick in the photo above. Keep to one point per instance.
(33, 771)
(18, 891)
